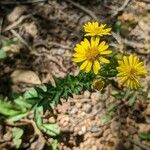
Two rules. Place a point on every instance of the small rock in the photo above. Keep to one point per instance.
(109, 137)
(31, 29)
(135, 147)
(131, 130)
(94, 129)
(94, 147)
(25, 76)
(7, 136)
(128, 145)
(52, 120)
(115, 127)
(78, 105)
(82, 131)
(86, 94)
(147, 111)
(144, 127)
(106, 133)
(73, 111)
(87, 108)
(125, 133)
(95, 96)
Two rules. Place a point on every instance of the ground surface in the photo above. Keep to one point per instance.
(46, 34)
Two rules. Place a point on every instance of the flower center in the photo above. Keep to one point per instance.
(132, 73)
(92, 54)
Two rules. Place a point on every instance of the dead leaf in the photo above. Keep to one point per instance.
(25, 76)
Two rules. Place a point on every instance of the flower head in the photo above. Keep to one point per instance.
(94, 29)
(131, 69)
(98, 84)
(90, 54)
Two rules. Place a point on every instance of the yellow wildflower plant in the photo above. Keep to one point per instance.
(96, 29)
(130, 70)
(90, 54)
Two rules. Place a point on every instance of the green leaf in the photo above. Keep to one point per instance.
(106, 118)
(144, 136)
(9, 109)
(37, 116)
(17, 117)
(20, 101)
(54, 145)
(3, 54)
(31, 93)
(17, 143)
(17, 133)
(132, 100)
(51, 129)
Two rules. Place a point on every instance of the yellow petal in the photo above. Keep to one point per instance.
(96, 66)
(106, 52)
(88, 67)
(121, 74)
(125, 59)
(78, 55)
(104, 60)
(103, 46)
(79, 59)
(83, 65)
(131, 60)
(123, 80)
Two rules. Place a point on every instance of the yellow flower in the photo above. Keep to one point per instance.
(90, 54)
(93, 29)
(131, 69)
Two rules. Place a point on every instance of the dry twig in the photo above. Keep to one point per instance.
(20, 39)
(16, 23)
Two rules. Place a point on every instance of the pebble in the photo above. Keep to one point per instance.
(87, 108)
(94, 147)
(95, 96)
(7, 136)
(52, 120)
(73, 111)
(94, 129)
(125, 133)
(86, 94)
(82, 131)
(136, 147)
(115, 127)
(144, 127)
(78, 105)
(147, 111)
(106, 133)
(131, 130)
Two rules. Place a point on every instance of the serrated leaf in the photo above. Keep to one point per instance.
(31, 93)
(9, 109)
(51, 129)
(17, 117)
(144, 136)
(21, 102)
(37, 116)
